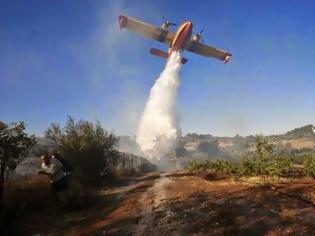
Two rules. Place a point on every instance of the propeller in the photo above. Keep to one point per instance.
(168, 22)
(171, 23)
(199, 35)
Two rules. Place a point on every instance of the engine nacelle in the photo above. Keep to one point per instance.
(122, 21)
(227, 59)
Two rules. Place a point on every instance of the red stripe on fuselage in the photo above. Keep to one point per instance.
(182, 36)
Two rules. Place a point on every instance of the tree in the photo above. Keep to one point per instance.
(54, 132)
(87, 146)
(14, 144)
(264, 148)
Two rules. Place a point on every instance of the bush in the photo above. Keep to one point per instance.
(286, 164)
(223, 166)
(309, 166)
(247, 167)
(197, 165)
(263, 167)
(86, 146)
(264, 148)
(264, 162)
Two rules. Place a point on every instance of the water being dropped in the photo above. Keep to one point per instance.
(159, 125)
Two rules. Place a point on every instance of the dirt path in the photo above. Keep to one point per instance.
(183, 203)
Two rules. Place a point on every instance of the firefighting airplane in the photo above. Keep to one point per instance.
(179, 41)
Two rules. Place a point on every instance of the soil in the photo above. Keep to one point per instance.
(186, 203)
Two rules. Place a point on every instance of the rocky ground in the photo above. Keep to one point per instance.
(185, 203)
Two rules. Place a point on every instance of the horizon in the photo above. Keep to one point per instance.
(133, 137)
(72, 59)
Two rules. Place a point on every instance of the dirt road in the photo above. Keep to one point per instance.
(183, 203)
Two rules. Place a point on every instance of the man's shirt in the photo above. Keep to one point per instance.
(54, 169)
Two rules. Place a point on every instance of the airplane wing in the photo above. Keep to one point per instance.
(209, 51)
(146, 30)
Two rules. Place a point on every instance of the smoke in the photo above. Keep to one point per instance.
(159, 125)
(128, 144)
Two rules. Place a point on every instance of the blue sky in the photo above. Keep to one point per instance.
(60, 58)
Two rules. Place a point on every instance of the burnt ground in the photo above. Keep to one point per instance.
(184, 203)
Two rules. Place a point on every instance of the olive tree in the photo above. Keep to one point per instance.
(87, 146)
(14, 144)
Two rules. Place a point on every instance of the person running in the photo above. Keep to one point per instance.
(53, 168)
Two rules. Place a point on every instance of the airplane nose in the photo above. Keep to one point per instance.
(190, 23)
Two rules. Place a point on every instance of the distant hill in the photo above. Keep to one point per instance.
(302, 132)
(206, 146)
(295, 142)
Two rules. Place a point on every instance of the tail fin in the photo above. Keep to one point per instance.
(163, 54)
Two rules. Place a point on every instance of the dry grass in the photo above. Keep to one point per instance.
(299, 143)
(26, 195)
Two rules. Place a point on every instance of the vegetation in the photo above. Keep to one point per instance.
(295, 143)
(263, 162)
(305, 131)
(309, 166)
(223, 166)
(87, 146)
(26, 195)
(14, 144)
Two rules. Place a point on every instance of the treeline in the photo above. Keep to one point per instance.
(303, 132)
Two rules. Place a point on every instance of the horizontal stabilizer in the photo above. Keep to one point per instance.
(163, 54)
(159, 53)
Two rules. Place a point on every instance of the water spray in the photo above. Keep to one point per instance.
(159, 125)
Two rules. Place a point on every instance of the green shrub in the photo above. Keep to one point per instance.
(286, 164)
(249, 167)
(246, 168)
(263, 162)
(264, 148)
(86, 146)
(309, 166)
(197, 165)
(223, 166)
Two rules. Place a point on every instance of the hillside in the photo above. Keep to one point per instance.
(206, 146)
(302, 132)
(296, 141)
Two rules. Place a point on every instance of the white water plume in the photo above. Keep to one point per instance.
(159, 125)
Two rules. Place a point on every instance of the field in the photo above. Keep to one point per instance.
(183, 203)
(265, 192)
